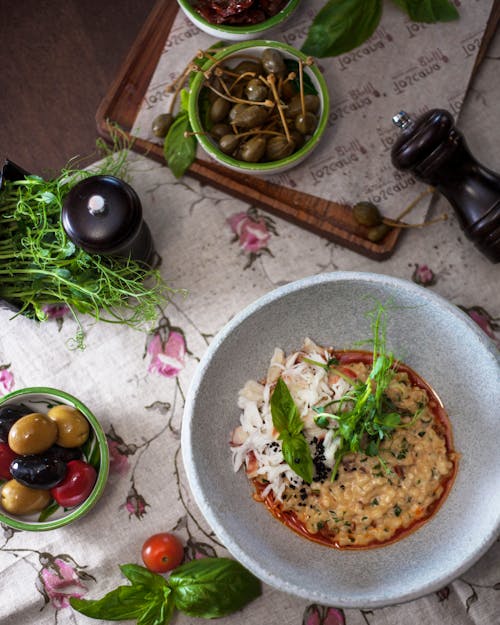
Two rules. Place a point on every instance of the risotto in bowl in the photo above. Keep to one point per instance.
(335, 436)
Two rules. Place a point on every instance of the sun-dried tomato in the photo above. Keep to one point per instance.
(238, 12)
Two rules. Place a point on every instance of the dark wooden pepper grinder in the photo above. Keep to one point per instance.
(434, 150)
(103, 215)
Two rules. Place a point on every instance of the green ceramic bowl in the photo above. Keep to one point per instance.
(236, 33)
(256, 48)
(95, 452)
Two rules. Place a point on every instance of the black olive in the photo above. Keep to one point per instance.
(64, 453)
(39, 471)
(8, 416)
(366, 214)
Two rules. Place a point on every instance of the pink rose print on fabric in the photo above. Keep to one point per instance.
(6, 379)
(485, 321)
(119, 451)
(424, 276)
(135, 504)
(167, 357)
(252, 231)
(322, 615)
(60, 579)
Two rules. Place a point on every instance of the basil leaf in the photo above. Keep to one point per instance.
(124, 602)
(293, 66)
(429, 11)
(298, 456)
(285, 413)
(342, 25)
(141, 575)
(179, 150)
(213, 587)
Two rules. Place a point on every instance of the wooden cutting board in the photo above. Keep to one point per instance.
(327, 218)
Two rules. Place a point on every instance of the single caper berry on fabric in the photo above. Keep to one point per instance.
(311, 104)
(256, 90)
(253, 149)
(219, 109)
(377, 233)
(279, 147)
(306, 123)
(228, 143)
(367, 214)
(273, 62)
(161, 124)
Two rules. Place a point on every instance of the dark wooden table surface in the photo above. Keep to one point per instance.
(57, 59)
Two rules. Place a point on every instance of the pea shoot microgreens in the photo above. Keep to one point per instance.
(40, 266)
(365, 416)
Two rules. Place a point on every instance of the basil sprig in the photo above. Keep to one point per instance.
(286, 419)
(207, 588)
(342, 25)
(179, 149)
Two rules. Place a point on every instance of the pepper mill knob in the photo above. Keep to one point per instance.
(434, 150)
(103, 215)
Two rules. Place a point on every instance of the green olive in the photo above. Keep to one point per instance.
(376, 233)
(367, 214)
(248, 116)
(311, 104)
(19, 499)
(256, 90)
(32, 434)
(219, 109)
(229, 143)
(219, 130)
(248, 66)
(273, 62)
(253, 149)
(279, 147)
(306, 124)
(161, 124)
(72, 427)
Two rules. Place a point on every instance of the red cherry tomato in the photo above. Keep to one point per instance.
(162, 552)
(77, 484)
(6, 457)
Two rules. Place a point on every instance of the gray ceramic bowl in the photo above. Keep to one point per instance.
(438, 341)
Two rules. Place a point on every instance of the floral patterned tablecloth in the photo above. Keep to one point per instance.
(226, 254)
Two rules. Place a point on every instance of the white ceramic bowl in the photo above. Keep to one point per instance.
(255, 48)
(237, 33)
(441, 344)
(95, 450)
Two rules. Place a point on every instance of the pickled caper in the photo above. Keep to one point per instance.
(253, 149)
(311, 104)
(161, 124)
(249, 116)
(279, 147)
(248, 66)
(220, 129)
(297, 138)
(229, 143)
(219, 109)
(367, 214)
(376, 233)
(306, 123)
(273, 62)
(256, 90)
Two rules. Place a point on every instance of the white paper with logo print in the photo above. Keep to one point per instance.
(403, 66)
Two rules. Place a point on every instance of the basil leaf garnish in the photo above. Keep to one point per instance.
(286, 419)
(179, 150)
(124, 602)
(429, 11)
(342, 25)
(140, 575)
(213, 587)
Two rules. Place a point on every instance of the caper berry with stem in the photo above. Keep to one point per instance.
(253, 150)
(248, 116)
(161, 124)
(279, 147)
(367, 214)
(377, 233)
(306, 123)
(219, 109)
(311, 104)
(219, 130)
(256, 90)
(272, 62)
(229, 143)
(248, 66)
